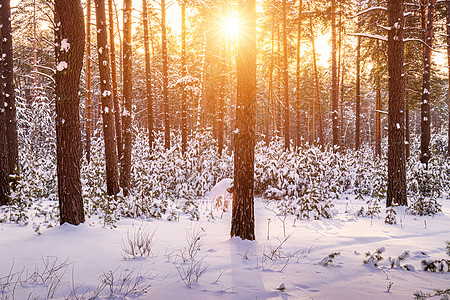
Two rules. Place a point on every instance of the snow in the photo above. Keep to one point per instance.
(62, 65)
(65, 45)
(106, 93)
(239, 269)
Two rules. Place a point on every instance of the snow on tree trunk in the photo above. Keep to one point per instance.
(396, 192)
(69, 30)
(125, 172)
(115, 93)
(334, 78)
(8, 85)
(358, 95)
(243, 218)
(109, 135)
(183, 75)
(425, 105)
(4, 171)
(88, 82)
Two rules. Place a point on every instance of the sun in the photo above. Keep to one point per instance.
(231, 25)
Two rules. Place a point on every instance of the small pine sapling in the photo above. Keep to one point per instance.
(391, 215)
(375, 258)
(330, 258)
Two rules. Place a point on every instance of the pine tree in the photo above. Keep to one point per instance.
(425, 106)
(297, 89)
(8, 85)
(334, 78)
(285, 80)
(109, 135)
(396, 192)
(115, 92)
(148, 74)
(69, 50)
(125, 172)
(448, 61)
(243, 216)
(88, 82)
(4, 171)
(165, 78)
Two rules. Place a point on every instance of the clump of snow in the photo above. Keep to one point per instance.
(62, 65)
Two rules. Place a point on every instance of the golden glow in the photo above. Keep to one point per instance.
(323, 49)
(231, 25)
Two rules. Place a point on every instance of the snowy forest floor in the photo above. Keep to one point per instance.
(184, 259)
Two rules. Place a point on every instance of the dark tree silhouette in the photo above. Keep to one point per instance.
(148, 74)
(69, 50)
(243, 215)
(4, 177)
(109, 135)
(115, 93)
(8, 85)
(425, 106)
(396, 192)
(125, 172)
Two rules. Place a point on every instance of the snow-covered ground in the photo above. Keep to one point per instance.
(79, 262)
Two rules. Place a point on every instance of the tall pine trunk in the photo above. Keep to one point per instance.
(8, 85)
(334, 78)
(425, 106)
(221, 102)
(109, 135)
(125, 173)
(448, 61)
(317, 91)
(148, 74)
(285, 80)
(4, 171)
(69, 50)
(165, 76)
(396, 193)
(88, 82)
(297, 89)
(243, 215)
(115, 92)
(183, 75)
(358, 95)
(378, 115)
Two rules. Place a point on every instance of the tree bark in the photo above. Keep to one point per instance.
(183, 92)
(448, 61)
(148, 74)
(109, 135)
(115, 92)
(221, 103)
(125, 172)
(243, 218)
(317, 91)
(425, 106)
(165, 76)
(88, 82)
(69, 50)
(4, 168)
(8, 85)
(297, 90)
(358, 95)
(396, 192)
(286, 81)
(378, 116)
(334, 79)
